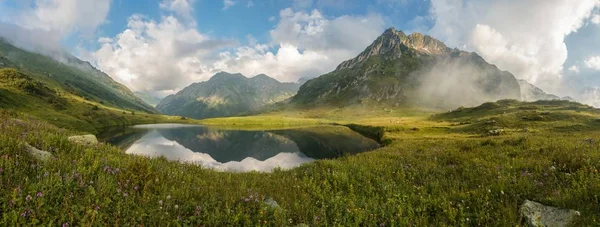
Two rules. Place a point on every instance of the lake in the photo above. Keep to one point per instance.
(238, 150)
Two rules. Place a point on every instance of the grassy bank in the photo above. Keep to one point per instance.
(439, 174)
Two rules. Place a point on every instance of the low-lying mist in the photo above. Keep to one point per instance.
(452, 82)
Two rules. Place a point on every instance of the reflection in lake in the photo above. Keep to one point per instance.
(238, 150)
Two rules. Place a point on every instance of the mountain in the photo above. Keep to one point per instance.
(67, 73)
(226, 95)
(148, 98)
(530, 92)
(303, 80)
(410, 70)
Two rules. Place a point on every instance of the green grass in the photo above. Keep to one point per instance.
(22, 93)
(432, 172)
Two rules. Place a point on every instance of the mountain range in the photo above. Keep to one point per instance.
(413, 70)
(226, 94)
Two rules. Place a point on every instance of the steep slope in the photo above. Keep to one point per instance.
(19, 92)
(226, 95)
(71, 75)
(413, 70)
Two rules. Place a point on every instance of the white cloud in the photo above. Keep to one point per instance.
(65, 16)
(596, 19)
(228, 3)
(156, 56)
(523, 37)
(593, 62)
(308, 45)
(183, 8)
(168, 55)
(574, 69)
(41, 25)
(250, 4)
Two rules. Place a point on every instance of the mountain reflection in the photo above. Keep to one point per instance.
(238, 150)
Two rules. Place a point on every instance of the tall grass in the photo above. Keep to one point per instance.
(414, 181)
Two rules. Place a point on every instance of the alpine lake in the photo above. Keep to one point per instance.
(238, 150)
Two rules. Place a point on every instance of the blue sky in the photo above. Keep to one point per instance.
(161, 46)
(253, 17)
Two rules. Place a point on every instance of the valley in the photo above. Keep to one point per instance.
(408, 133)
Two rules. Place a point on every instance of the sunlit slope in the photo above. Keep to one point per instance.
(71, 75)
(22, 93)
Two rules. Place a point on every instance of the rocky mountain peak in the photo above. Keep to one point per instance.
(394, 43)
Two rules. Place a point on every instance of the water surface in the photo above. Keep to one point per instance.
(238, 150)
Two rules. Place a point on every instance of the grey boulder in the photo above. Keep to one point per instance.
(87, 140)
(37, 153)
(536, 214)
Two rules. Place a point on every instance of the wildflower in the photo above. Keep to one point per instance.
(136, 188)
(66, 224)
(24, 214)
(39, 194)
(28, 198)
(1, 170)
(160, 202)
(176, 206)
(125, 194)
(169, 197)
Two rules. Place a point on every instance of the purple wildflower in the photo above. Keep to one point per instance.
(66, 224)
(24, 214)
(39, 194)
(136, 188)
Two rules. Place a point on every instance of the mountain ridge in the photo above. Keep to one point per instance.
(226, 94)
(72, 75)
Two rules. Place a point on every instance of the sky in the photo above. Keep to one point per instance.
(161, 46)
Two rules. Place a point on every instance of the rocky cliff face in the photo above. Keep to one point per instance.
(226, 95)
(410, 70)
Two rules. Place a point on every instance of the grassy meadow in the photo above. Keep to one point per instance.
(444, 169)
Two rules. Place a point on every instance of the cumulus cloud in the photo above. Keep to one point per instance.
(523, 37)
(308, 45)
(156, 56)
(593, 62)
(596, 19)
(65, 16)
(41, 25)
(574, 69)
(183, 8)
(168, 55)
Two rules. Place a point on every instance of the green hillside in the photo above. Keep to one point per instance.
(20, 92)
(71, 75)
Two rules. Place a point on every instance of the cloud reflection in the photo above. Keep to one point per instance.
(154, 144)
